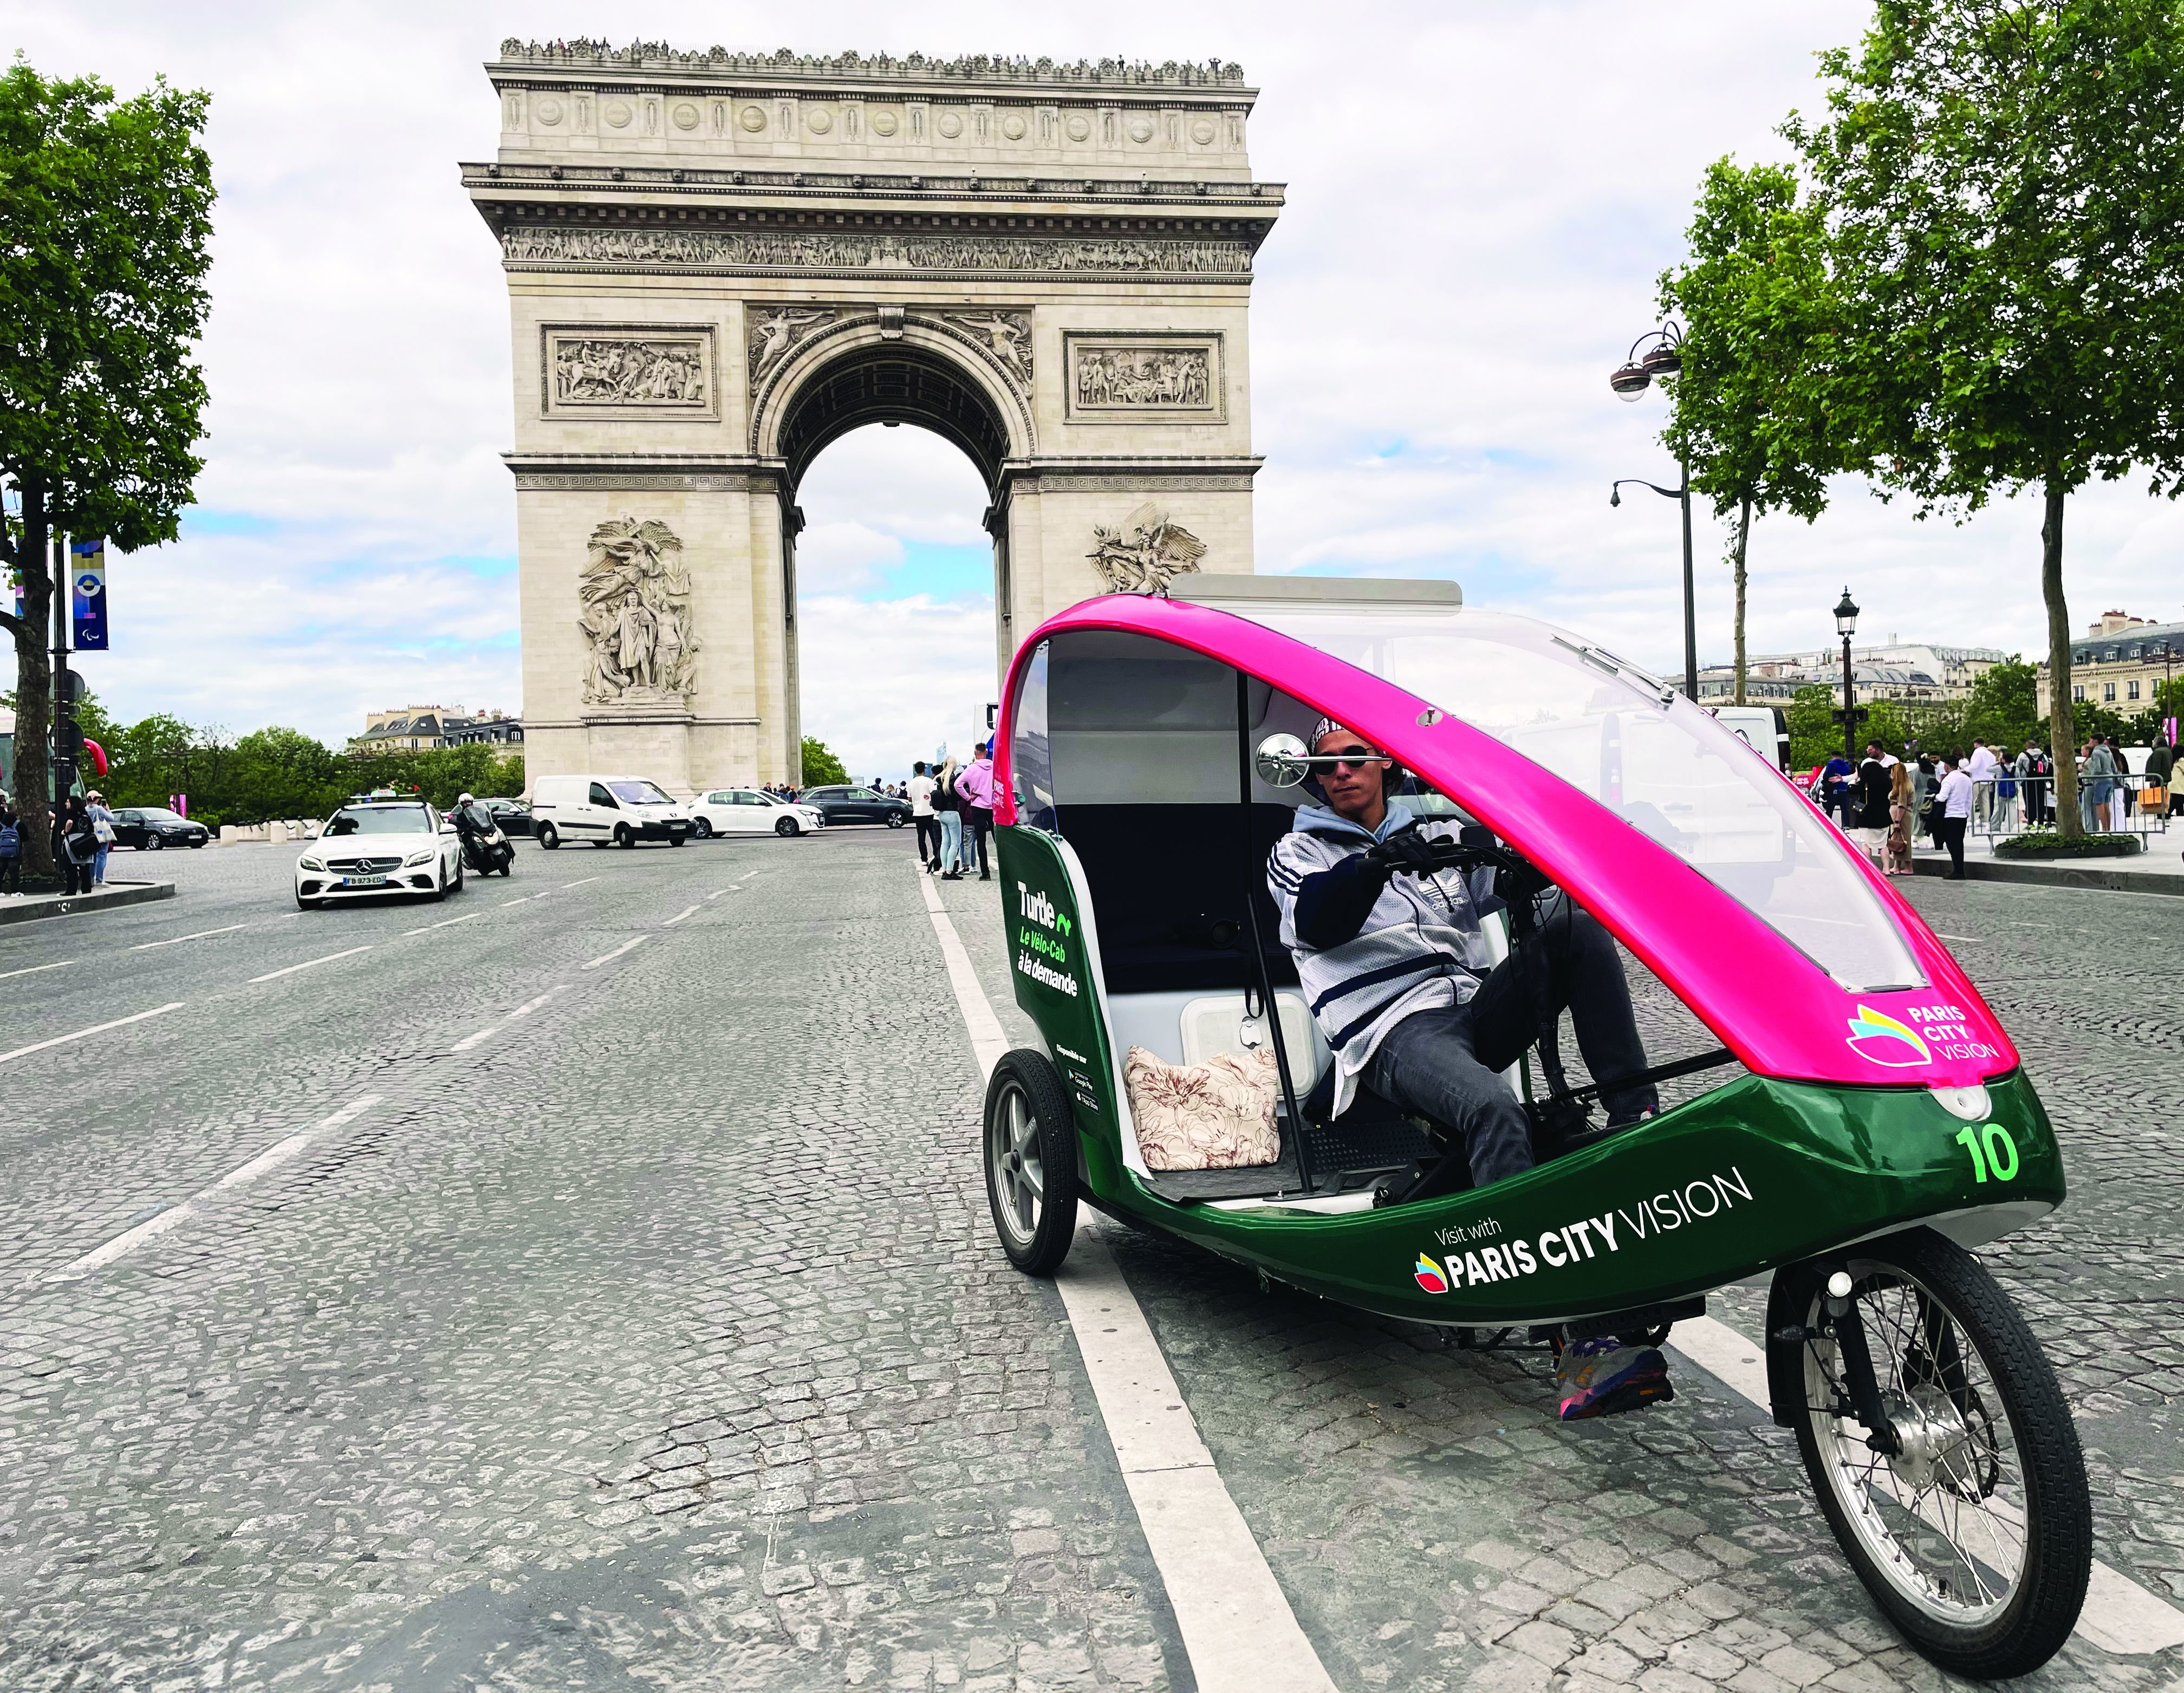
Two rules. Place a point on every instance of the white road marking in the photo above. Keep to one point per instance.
(717, 893)
(678, 918)
(1975, 940)
(745, 876)
(96, 1029)
(1236, 1623)
(608, 957)
(35, 968)
(523, 899)
(2119, 1616)
(523, 1010)
(307, 964)
(580, 882)
(467, 916)
(175, 1216)
(200, 935)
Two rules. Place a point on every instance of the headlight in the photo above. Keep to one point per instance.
(310, 864)
(417, 858)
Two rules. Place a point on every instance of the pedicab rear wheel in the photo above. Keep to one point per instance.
(1976, 1537)
(1031, 1162)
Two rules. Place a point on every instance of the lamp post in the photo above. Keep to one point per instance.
(1663, 359)
(1851, 713)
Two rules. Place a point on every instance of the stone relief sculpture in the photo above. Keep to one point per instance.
(773, 333)
(1006, 334)
(589, 372)
(634, 610)
(1144, 378)
(1143, 551)
(767, 250)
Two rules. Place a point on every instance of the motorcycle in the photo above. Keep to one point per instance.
(486, 849)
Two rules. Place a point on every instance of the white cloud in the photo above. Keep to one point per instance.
(1479, 201)
(886, 682)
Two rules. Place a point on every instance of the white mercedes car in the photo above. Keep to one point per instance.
(381, 846)
(752, 812)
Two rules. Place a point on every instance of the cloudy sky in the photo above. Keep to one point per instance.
(1480, 197)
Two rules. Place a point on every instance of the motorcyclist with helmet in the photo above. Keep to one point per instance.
(484, 846)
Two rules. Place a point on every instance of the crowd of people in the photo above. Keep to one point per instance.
(82, 835)
(952, 805)
(1885, 801)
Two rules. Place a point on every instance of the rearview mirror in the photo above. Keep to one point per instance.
(1282, 761)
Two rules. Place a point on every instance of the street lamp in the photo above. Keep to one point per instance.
(1846, 626)
(1662, 357)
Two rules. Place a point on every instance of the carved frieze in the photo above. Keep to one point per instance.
(526, 246)
(633, 608)
(773, 332)
(627, 370)
(1142, 552)
(1144, 378)
(1005, 334)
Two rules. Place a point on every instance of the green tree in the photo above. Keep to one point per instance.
(2004, 181)
(1754, 300)
(1815, 737)
(106, 209)
(2004, 709)
(820, 766)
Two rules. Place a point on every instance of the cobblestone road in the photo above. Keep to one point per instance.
(656, 1340)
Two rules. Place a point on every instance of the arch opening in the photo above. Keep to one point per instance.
(892, 381)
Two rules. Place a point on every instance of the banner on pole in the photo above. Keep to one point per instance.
(87, 588)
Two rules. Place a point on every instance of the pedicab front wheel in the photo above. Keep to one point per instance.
(1974, 1535)
(1031, 1162)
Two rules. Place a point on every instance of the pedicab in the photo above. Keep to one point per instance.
(1868, 1123)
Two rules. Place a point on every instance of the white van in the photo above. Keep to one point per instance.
(1764, 729)
(624, 810)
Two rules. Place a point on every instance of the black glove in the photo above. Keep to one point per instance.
(1407, 853)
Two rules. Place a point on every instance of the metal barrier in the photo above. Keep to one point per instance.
(1997, 815)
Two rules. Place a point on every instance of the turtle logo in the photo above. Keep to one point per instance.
(1877, 1036)
(1429, 1276)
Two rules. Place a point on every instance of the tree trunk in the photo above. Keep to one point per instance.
(2059, 729)
(1743, 536)
(34, 681)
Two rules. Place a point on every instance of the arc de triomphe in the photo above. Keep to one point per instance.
(718, 262)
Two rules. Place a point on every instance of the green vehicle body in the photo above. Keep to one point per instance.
(1756, 1174)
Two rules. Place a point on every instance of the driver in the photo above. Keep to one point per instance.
(469, 820)
(1390, 953)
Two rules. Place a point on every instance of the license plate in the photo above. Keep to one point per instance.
(363, 881)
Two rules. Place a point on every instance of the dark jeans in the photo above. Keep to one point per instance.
(977, 824)
(76, 878)
(11, 874)
(1445, 1063)
(928, 840)
(1951, 832)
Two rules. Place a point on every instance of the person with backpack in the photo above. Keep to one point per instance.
(11, 852)
(2032, 770)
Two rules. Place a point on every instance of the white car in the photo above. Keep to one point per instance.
(381, 846)
(751, 811)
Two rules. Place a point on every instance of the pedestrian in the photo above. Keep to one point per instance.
(1982, 770)
(976, 785)
(75, 845)
(1835, 798)
(1902, 811)
(2100, 785)
(1955, 802)
(948, 806)
(2029, 768)
(926, 820)
(1873, 790)
(2160, 767)
(102, 828)
(11, 852)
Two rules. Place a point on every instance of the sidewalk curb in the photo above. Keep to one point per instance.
(2063, 876)
(114, 894)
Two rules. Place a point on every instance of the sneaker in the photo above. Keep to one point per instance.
(1604, 1378)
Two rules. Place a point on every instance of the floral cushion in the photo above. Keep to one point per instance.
(1215, 1116)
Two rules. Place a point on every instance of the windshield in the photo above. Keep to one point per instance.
(1620, 736)
(638, 794)
(163, 816)
(380, 820)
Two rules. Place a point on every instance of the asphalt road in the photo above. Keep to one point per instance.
(593, 1318)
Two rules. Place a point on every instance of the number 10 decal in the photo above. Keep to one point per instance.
(2000, 1155)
